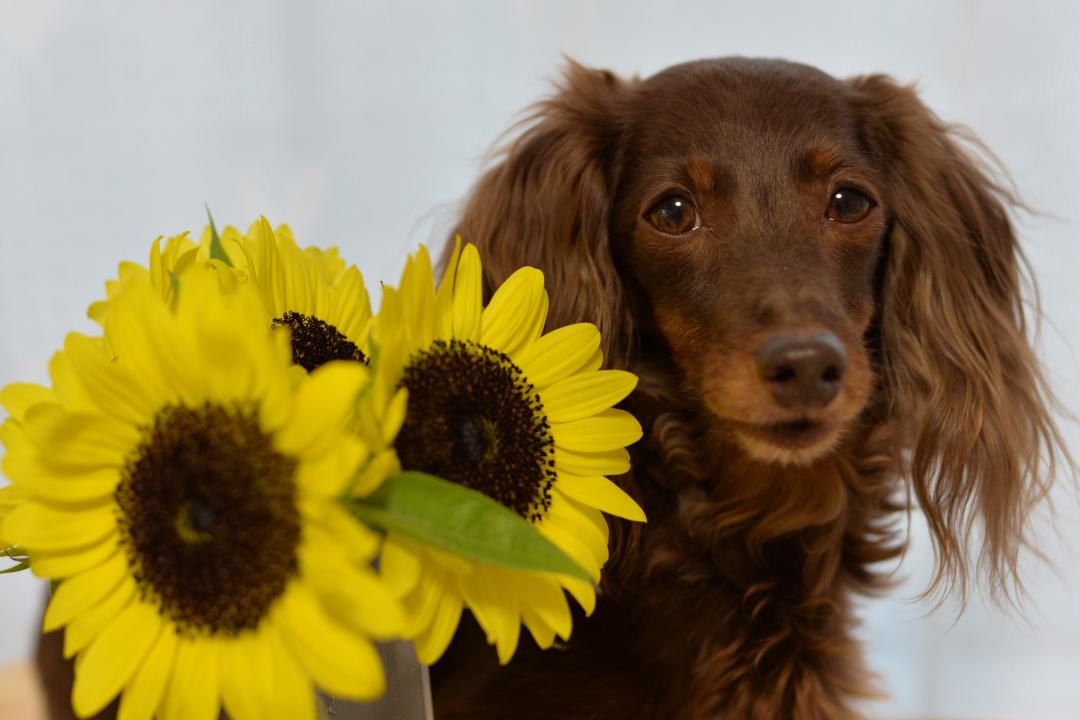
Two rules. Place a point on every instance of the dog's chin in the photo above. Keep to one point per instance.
(795, 442)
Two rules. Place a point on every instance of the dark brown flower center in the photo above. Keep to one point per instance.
(316, 342)
(474, 419)
(208, 517)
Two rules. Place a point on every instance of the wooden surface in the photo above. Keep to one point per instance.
(20, 693)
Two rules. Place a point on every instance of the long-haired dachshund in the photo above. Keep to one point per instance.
(820, 288)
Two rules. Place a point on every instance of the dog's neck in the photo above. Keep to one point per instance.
(759, 561)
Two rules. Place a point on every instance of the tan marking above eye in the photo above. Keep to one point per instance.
(673, 215)
(700, 172)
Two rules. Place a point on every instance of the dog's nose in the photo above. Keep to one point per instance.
(803, 370)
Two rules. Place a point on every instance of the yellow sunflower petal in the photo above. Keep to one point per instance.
(41, 527)
(563, 516)
(436, 637)
(399, 567)
(609, 462)
(112, 390)
(423, 602)
(606, 430)
(350, 308)
(19, 397)
(351, 537)
(141, 331)
(329, 474)
(245, 666)
(495, 609)
(468, 291)
(342, 663)
(444, 296)
(71, 486)
(509, 321)
(353, 594)
(543, 597)
(9, 497)
(585, 513)
(389, 341)
(194, 691)
(269, 270)
(583, 592)
(12, 435)
(301, 286)
(67, 389)
(361, 601)
(79, 439)
(234, 358)
(253, 683)
(418, 294)
(543, 635)
(96, 311)
(62, 563)
(372, 475)
(558, 353)
(601, 493)
(323, 406)
(78, 593)
(593, 363)
(395, 416)
(86, 626)
(112, 658)
(144, 693)
(292, 693)
(577, 549)
(586, 394)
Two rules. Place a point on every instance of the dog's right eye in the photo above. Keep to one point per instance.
(848, 205)
(674, 215)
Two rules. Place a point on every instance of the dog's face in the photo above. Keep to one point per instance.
(750, 216)
(807, 251)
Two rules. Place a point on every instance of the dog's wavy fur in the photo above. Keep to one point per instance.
(735, 600)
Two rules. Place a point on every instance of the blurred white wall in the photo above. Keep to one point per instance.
(361, 124)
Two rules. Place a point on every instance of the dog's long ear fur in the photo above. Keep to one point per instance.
(964, 388)
(547, 203)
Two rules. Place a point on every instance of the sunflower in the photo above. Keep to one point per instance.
(323, 302)
(185, 493)
(523, 417)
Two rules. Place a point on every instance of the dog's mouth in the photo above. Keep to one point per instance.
(789, 435)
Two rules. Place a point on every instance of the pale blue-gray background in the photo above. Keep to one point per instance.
(362, 124)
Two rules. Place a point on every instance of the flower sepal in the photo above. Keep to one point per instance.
(17, 555)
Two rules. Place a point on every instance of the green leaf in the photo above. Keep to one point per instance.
(461, 521)
(217, 250)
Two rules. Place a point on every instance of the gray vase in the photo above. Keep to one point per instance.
(408, 691)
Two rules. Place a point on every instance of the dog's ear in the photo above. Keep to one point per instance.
(963, 386)
(547, 203)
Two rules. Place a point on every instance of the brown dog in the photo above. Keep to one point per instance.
(821, 290)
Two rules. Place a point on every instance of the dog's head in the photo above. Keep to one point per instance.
(749, 216)
(813, 258)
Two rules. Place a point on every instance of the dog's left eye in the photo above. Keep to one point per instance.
(848, 205)
(674, 215)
